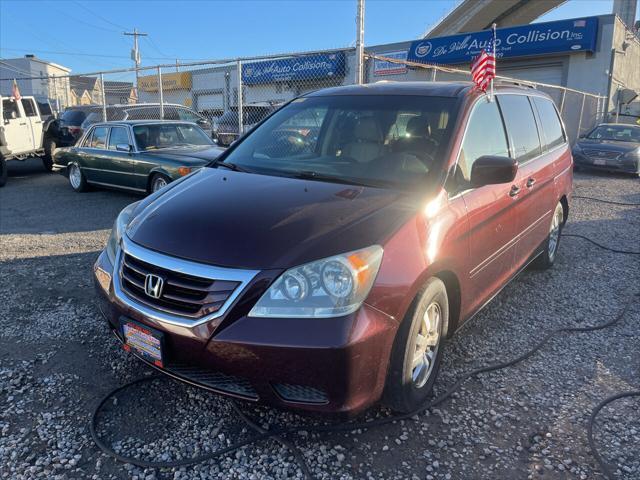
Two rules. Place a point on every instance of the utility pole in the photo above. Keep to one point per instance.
(135, 53)
(360, 44)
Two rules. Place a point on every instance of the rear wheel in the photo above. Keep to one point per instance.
(3, 171)
(158, 181)
(417, 350)
(77, 179)
(49, 152)
(548, 256)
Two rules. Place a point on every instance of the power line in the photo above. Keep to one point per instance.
(86, 54)
(100, 16)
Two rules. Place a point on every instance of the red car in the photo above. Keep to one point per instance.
(321, 260)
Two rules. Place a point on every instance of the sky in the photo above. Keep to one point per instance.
(87, 35)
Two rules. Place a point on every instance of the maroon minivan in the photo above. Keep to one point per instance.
(322, 260)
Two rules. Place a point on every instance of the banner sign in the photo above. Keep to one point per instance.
(170, 81)
(307, 67)
(382, 67)
(534, 39)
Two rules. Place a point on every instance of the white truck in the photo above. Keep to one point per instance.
(21, 133)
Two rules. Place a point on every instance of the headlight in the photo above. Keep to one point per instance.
(632, 155)
(119, 226)
(330, 287)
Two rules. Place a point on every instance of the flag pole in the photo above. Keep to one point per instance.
(495, 59)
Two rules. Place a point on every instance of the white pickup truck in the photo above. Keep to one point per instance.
(21, 133)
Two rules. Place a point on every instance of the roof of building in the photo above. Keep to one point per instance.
(476, 15)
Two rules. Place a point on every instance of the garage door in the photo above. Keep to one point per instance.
(210, 102)
(546, 73)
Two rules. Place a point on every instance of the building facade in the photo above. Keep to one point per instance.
(49, 80)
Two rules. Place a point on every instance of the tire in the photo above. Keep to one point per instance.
(77, 180)
(409, 384)
(49, 151)
(158, 181)
(550, 246)
(3, 171)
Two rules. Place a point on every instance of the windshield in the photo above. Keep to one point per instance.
(151, 137)
(620, 133)
(391, 140)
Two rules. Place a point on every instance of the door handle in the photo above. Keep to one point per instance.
(23, 123)
(531, 182)
(515, 190)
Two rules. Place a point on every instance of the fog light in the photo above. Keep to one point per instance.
(104, 278)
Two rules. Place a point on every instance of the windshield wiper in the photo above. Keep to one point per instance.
(229, 165)
(321, 177)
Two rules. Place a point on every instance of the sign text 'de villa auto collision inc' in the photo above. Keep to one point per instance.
(534, 39)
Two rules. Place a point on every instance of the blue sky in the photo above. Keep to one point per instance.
(189, 30)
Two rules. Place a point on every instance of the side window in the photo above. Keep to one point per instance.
(484, 136)
(29, 107)
(550, 122)
(119, 135)
(87, 139)
(99, 138)
(10, 109)
(187, 115)
(521, 126)
(170, 113)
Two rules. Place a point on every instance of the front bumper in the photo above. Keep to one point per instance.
(625, 165)
(335, 365)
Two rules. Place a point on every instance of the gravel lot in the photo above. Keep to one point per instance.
(57, 359)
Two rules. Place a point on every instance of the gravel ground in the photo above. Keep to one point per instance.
(57, 359)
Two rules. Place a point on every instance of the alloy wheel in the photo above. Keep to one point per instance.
(159, 183)
(75, 176)
(554, 232)
(426, 345)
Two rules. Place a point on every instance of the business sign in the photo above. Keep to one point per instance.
(534, 39)
(383, 67)
(306, 67)
(170, 81)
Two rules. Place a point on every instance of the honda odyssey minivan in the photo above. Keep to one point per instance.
(322, 260)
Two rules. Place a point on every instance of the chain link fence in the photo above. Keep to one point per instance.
(228, 97)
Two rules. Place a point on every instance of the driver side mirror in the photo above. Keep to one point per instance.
(492, 170)
(123, 147)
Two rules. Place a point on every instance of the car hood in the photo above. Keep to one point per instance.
(244, 220)
(608, 145)
(180, 153)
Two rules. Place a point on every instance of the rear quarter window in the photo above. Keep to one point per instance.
(521, 126)
(550, 123)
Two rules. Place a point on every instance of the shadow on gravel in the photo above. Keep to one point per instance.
(34, 201)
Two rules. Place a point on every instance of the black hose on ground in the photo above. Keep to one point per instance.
(602, 200)
(278, 434)
(604, 466)
(341, 427)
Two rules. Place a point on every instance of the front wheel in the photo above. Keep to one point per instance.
(77, 179)
(550, 248)
(158, 181)
(417, 350)
(3, 171)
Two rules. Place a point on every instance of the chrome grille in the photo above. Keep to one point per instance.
(182, 294)
(608, 154)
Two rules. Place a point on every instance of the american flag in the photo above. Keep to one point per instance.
(483, 67)
(15, 91)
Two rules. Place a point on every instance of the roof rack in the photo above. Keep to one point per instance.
(514, 81)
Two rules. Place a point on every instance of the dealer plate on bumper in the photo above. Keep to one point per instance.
(599, 161)
(143, 341)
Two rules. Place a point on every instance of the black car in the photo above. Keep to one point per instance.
(226, 131)
(611, 147)
(148, 111)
